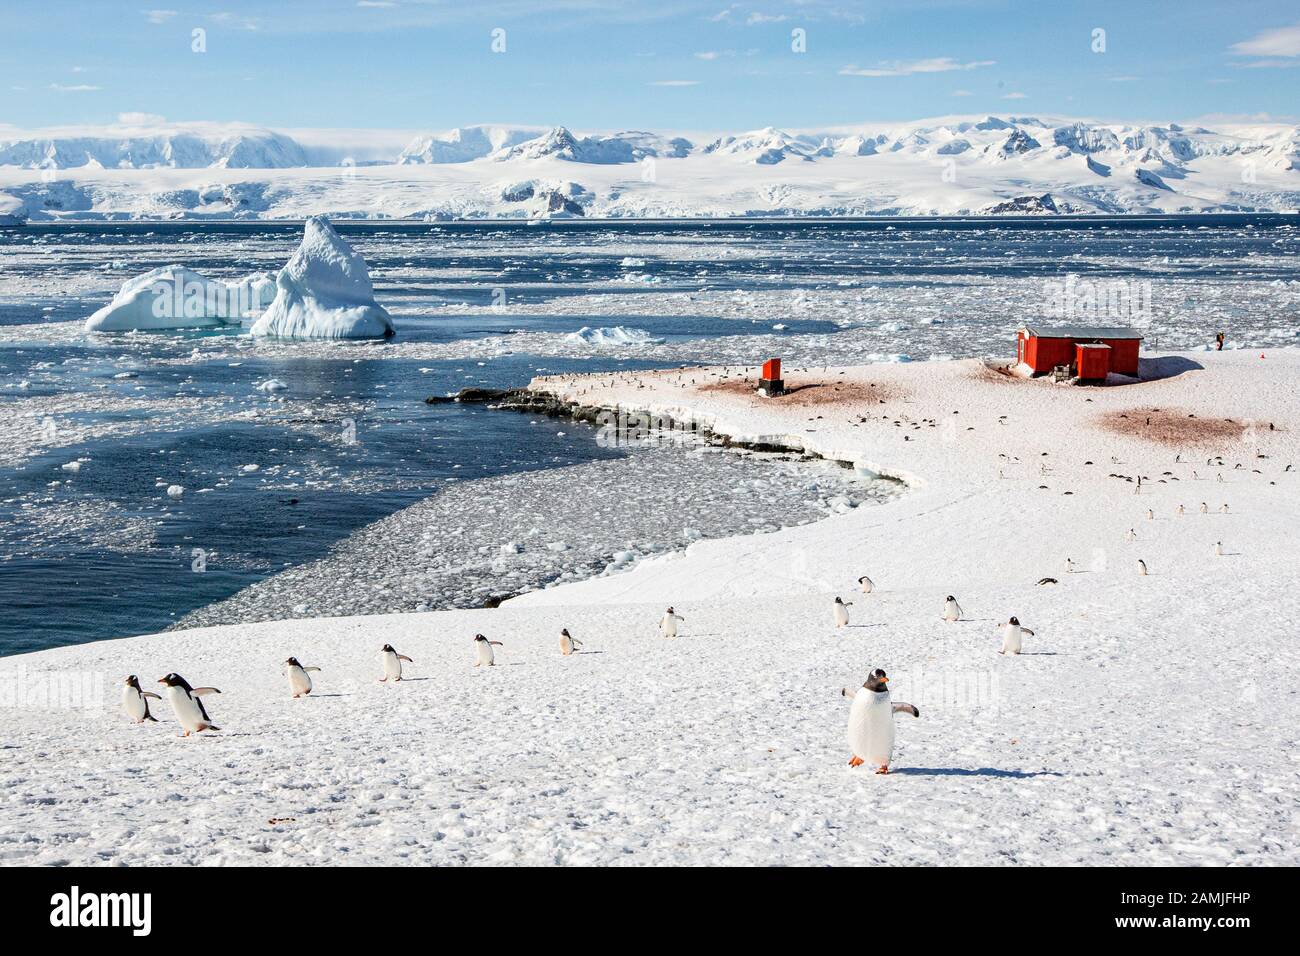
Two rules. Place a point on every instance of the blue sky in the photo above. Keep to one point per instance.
(672, 64)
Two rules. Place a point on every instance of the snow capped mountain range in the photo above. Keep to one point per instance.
(951, 165)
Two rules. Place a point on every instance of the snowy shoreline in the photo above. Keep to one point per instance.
(1140, 727)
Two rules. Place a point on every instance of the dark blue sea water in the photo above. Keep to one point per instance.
(103, 551)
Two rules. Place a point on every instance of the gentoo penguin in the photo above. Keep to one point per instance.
(1151, 515)
(299, 682)
(136, 701)
(1218, 549)
(1142, 567)
(1012, 633)
(871, 722)
(867, 585)
(1205, 509)
(1182, 510)
(485, 655)
(668, 623)
(567, 644)
(392, 663)
(841, 611)
(951, 609)
(1131, 535)
(1069, 565)
(187, 704)
(1224, 509)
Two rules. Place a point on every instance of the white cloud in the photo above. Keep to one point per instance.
(962, 93)
(376, 3)
(675, 83)
(158, 16)
(934, 64)
(78, 88)
(140, 119)
(1014, 96)
(757, 18)
(708, 55)
(1283, 41)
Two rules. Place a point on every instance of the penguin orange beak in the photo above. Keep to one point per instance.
(884, 680)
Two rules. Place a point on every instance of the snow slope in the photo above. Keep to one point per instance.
(1150, 720)
(943, 166)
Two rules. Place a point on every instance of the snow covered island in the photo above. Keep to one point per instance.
(1145, 534)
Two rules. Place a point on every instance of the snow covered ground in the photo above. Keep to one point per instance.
(953, 165)
(1150, 721)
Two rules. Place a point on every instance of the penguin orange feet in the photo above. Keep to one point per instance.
(856, 761)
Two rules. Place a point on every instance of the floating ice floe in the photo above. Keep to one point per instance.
(271, 385)
(324, 292)
(173, 297)
(175, 491)
(615, 335)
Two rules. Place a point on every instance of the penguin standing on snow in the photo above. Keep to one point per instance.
(567, 644)
(841, 611)
(668, 623)
(871, 722)
(136, 701)
(484, 646)
(951, 609)
(187, 704)
(1012, 636)
(867, 585)
(392, 663)
(299, 682)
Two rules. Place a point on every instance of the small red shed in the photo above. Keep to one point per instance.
(1042, 348)
(1092, 362)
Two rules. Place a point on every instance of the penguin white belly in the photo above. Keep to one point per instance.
(841, 615)
(392, 666)
(485, 655)
(133, 703)
(668, 626)
(566, 646)
(299, 681)
(186, 709)
(1011, 639)
(951, 611)
(871, 727)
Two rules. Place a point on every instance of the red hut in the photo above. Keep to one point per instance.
(1043, 349)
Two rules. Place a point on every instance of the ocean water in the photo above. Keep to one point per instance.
(93, 429)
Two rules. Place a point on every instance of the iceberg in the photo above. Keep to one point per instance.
(173, 297)
(617, 335)
(324, 292)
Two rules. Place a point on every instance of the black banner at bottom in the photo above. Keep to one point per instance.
(898, 906)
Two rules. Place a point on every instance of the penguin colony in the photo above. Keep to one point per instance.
(871, 731)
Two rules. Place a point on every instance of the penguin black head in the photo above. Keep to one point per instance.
(479, 637)
(1015, 621)
(132, 681)
(564, 631)
(950, 598)
(838, 600)
(174, 680)
(388, 649)
(671, 611)
(293, 662)
(877, 681)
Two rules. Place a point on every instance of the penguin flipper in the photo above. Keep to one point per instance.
(146, 693)
(403, 657)
(1028, 631)
(201, 691)
(311, 668)
(902, 708)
